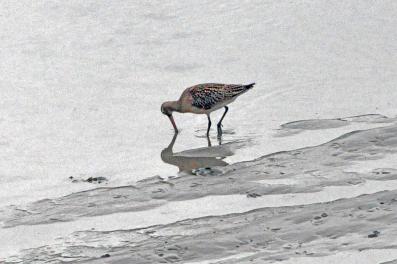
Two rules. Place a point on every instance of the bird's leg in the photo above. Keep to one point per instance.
(220, 122)
(209, 141)
(209, 125)
(219, 140)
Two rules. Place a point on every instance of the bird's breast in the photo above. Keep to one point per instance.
(187, 103)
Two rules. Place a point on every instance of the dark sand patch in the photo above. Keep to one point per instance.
(315, 124)
(390, 262)
(296, 127)
(310, 169)
(263, 236)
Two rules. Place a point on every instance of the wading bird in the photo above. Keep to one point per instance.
(204, 99)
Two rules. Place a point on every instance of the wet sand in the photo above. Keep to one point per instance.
(259, 236)
(309, 170)
(390, 262)
(308, 202)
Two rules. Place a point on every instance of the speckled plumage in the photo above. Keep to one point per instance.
(206, 96)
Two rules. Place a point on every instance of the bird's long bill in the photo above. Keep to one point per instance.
(173, 123)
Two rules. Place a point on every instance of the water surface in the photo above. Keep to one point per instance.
(82, 83)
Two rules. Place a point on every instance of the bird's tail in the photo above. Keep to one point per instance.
(249, 86)
(236, 90)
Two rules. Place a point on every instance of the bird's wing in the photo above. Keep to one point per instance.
(205, 96)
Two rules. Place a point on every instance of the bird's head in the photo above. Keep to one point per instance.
(167, 108)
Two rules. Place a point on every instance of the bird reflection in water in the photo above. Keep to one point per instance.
(206, 157)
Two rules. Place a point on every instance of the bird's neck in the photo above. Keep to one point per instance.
(175, 106)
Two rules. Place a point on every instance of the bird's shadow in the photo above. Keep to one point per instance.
(205, 157)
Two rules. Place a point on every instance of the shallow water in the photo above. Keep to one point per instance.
(82, 83)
